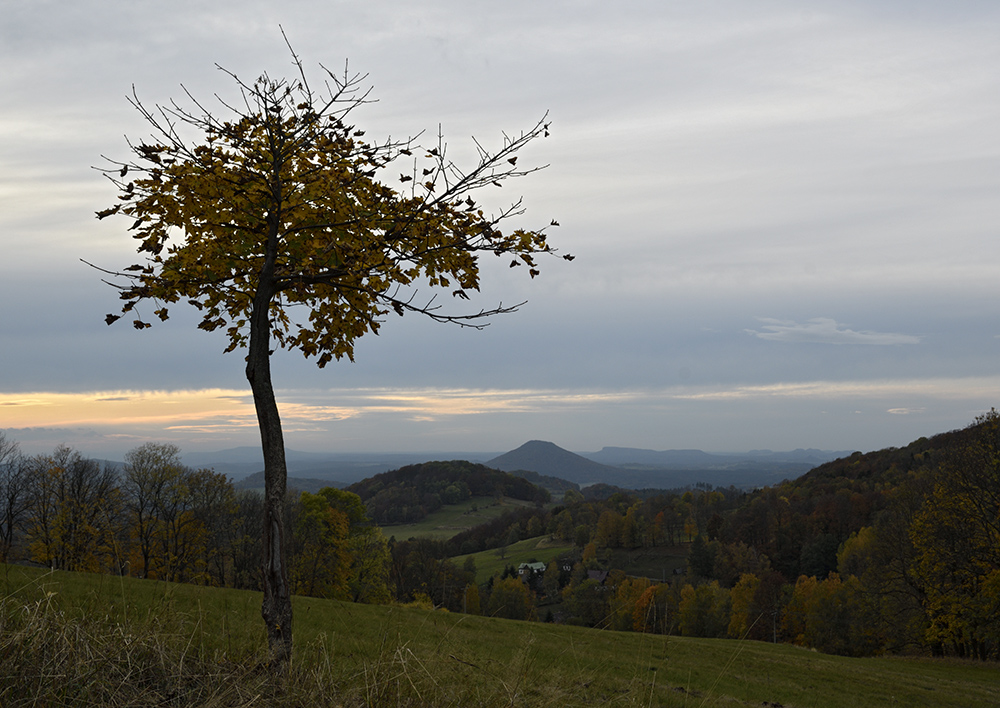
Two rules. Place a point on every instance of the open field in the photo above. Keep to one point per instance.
(540, 549)
(657, 563)
(210, 641)
(455, 518)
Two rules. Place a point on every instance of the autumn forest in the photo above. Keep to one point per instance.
(895, 551)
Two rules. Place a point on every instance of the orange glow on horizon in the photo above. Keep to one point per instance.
(30, 410)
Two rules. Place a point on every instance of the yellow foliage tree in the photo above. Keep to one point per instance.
(621, 607)
(609, 530)
(703, 611)
(825, 615)
(741, 617)
(511, 599)
(282, 204)
(472, 602)
(956, 537)
(321, 562)
(370, 560)
(213, 502)
(73, 513)
(653, 610)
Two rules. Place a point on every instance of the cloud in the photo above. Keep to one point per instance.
(857, 414)
(71, 410)
(59, 434)
(23, 402)
(933, 388)
(823, 330)
(690, 209)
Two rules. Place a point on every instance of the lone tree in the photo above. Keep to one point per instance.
(274, 218)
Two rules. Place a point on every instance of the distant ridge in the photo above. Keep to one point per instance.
(665, 458)
(634, 468)
(301, 484)
(549, 459)
(629, 468)
(338, 468)
(697, 459)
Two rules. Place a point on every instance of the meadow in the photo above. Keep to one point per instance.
(81, 639)
(540, 549)
(455, 518)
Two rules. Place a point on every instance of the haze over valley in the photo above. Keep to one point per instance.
(629, 468)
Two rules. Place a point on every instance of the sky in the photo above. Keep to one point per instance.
(784, 217)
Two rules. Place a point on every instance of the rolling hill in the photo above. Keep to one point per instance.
(410, 493)
(549, 459)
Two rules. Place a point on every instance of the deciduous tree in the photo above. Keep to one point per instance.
(275, 205)
(212, 504)
(151, 471)
(511, 599)
(742, 616)
(703, 610)
(245, 540)
(320, 562)
(73, 512)
(956, 536)
(655, 610)
(13, 493)
(367, 549)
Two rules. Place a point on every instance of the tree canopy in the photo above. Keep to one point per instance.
(273, 217)
(286, 195)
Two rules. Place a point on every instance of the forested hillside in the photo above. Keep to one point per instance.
(895, 551)
(411, 493)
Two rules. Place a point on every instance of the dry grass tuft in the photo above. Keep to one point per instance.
(50, 659)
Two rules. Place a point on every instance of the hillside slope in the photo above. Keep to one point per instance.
(197, 645)
(410, 493)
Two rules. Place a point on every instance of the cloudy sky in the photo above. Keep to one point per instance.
(784, 217)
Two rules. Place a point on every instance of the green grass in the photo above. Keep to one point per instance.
(455, 518)
(541, 549)
(207, 644)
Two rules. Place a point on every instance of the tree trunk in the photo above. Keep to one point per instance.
(276, 608)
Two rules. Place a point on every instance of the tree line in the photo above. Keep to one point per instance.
(153, 517)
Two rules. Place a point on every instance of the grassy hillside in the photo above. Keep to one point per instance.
(82, 639)
(488, 563)
(455, 518)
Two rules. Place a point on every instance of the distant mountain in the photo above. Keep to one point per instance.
(549, 459)
(632, 468)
